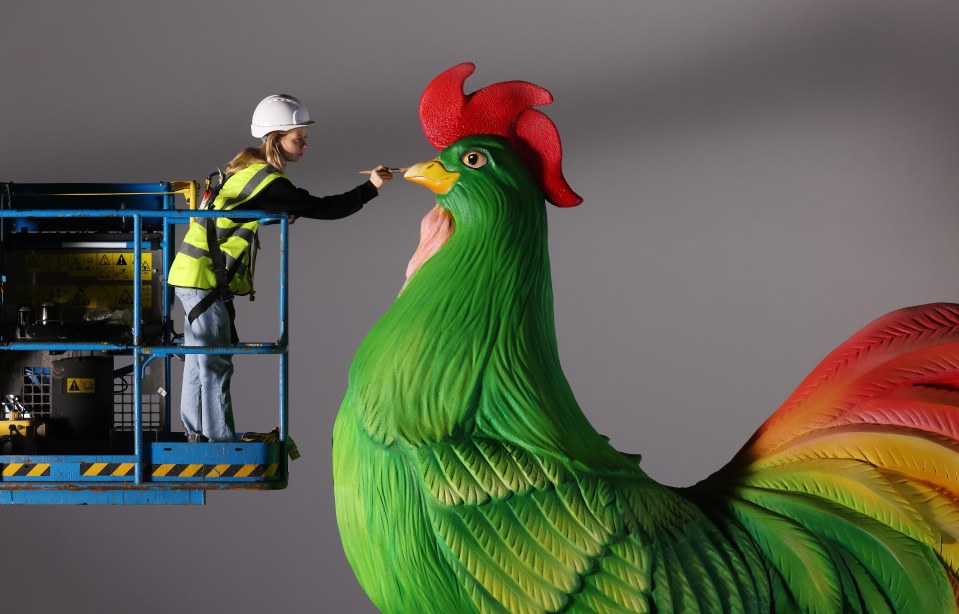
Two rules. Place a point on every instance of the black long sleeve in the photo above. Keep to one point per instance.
(281, 196)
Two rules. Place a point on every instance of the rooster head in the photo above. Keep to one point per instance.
(496, 152)
(501, 109)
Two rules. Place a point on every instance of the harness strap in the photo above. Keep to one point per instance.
(205, 303)
(222, 291)
(216, 258)
(223, 277)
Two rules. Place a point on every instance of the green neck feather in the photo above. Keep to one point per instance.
(469, 346)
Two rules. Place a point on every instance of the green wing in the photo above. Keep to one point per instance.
(525, 532)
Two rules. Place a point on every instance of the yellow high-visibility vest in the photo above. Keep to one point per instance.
(192, 267)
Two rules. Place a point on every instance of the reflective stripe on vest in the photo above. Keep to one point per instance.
(192, 267)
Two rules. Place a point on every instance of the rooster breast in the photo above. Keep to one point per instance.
(384, 526)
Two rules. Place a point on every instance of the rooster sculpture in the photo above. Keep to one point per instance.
(467, 478)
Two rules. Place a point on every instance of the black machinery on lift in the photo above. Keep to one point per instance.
(84, 412)
(70, 279)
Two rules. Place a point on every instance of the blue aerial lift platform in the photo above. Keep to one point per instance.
(86, 343)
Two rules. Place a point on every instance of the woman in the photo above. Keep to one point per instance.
(206, 279)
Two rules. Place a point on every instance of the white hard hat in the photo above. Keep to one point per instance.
(279, 112)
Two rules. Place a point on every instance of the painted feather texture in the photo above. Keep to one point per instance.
(468, 479)
(862, 461)
(855, 517)
(845, 500)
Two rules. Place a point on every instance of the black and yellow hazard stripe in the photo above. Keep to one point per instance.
(21, 470)
(214, 471)
(112, 469)
(182, 470)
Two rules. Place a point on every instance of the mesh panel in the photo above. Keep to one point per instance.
(35, 391)
(123, 405)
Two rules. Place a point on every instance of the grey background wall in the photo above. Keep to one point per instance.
(761, 179)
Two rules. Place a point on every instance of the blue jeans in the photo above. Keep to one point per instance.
(205, 404)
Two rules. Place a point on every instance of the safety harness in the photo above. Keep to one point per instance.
(223, 275)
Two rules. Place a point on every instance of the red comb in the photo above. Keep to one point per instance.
(502, 109)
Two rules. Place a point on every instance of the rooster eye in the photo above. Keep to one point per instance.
(474, 159)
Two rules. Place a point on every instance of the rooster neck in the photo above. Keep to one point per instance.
(437, 356)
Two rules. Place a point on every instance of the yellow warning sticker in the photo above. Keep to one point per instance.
(101, 265)
(82, 264)
(47, 263)
(120, 265)
(80, 385)
(110, 296)
(80, 298)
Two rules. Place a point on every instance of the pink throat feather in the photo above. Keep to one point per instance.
(435, 229)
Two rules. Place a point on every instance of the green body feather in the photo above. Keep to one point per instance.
(468, 479)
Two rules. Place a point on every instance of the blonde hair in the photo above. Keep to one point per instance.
(268, 152)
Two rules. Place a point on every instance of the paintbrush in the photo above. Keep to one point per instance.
(401, 169)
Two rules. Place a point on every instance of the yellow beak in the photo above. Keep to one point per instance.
(433, 175)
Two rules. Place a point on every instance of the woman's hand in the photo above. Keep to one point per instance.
(380, 175)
